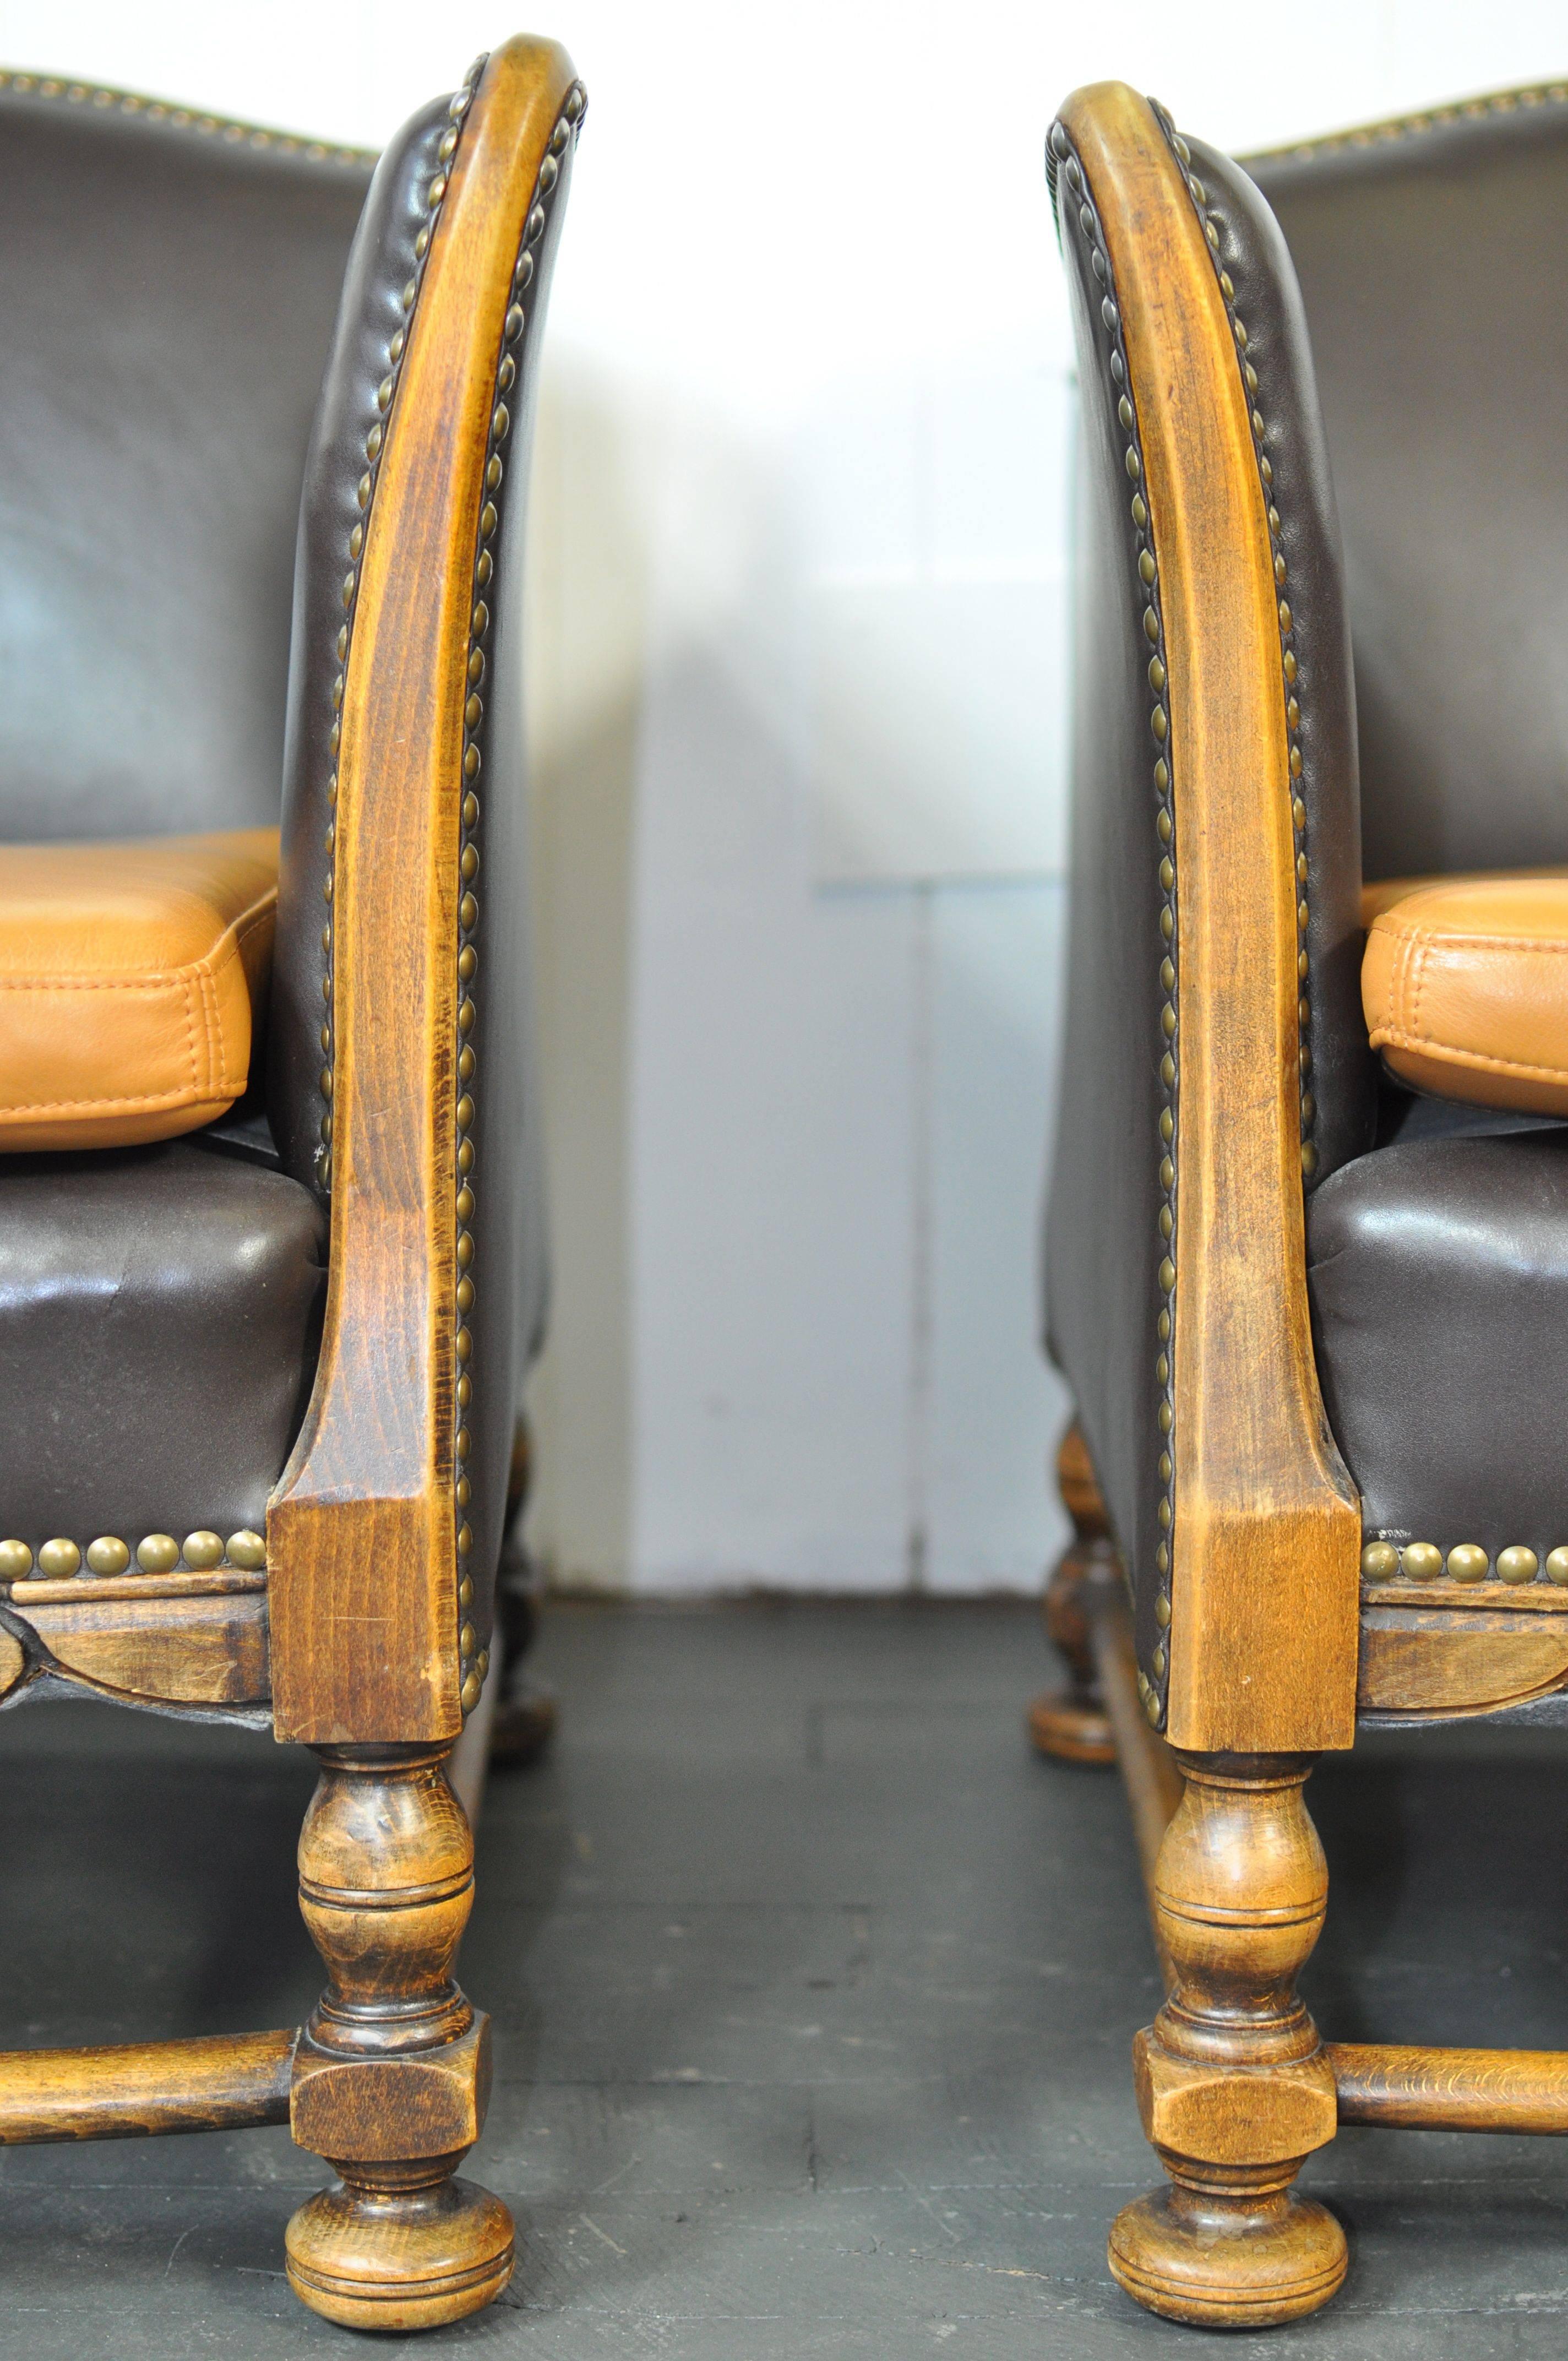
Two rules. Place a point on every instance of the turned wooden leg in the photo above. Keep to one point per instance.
(1072, 1723)
(1234, 2086)
(392, 2073)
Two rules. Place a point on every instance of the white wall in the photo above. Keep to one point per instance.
(798, 668)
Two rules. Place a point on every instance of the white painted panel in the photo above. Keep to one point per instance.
(995, 1412)
(938, 728)
(771, 1102)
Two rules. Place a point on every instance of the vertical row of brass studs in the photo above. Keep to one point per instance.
(365, 492)
(1213, 225)
(474, 1662)
(1078, 210)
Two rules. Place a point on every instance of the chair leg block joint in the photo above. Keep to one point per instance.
(428, 2103)
(1222, 2114)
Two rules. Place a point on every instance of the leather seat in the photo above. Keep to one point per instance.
(1438, 1270)
(1465, 984)
(162, 1304)
(132, 980)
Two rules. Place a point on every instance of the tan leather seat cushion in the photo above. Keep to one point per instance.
(1465, 982)
(129, 976)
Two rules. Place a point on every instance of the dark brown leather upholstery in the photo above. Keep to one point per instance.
(1253, 251)
(159, 1315)
(168, 301)
(1438, 1277)
(165, 306)
(1431, 265)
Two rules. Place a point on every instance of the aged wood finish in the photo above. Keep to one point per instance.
(392, 2072)
(360, 1531)
(1150, 1771)
(1418, 2089)
(1438, 1659)
(143, 2088)
(1070, 1723)
(1267, 1532)
(1234, 2086)
(206, 1647)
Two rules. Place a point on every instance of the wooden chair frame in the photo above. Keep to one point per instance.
(357, 1628)
(1267, 1615)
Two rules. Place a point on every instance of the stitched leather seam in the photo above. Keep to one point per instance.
(194, 989)
(1430, 1045)
(1434, 938)
(192, 1094)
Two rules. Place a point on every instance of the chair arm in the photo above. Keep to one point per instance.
(371, 1538)
(1177, 1259)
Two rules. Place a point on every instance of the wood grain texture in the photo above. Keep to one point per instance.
(209, 1649)
(1411, 2087)
(221, 2083)
(1233, 2087)
(391, 2073)
(1150, 1771)
(1267, 1530)
(1430, 1660)
(361, 1530)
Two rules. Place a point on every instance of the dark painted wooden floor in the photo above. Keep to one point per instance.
(813, 1995)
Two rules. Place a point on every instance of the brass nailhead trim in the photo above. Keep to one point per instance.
(1386, 1561)
(474, 1667)
(108, 1554)
(1411, 126)
(106, 99)
(365, 494)
(1078, 210)
(1213, 227)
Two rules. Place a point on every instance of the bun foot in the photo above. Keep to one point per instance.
(409, 2248)
(1070, 1730)
(1242, 2257)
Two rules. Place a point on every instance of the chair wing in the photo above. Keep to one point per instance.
(397, 1065)
(1214, 1055)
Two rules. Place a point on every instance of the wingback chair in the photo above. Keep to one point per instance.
(1307, 1252)
(270, 1239)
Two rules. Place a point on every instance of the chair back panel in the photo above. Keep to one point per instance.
(167, 286)
(1431, 257)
